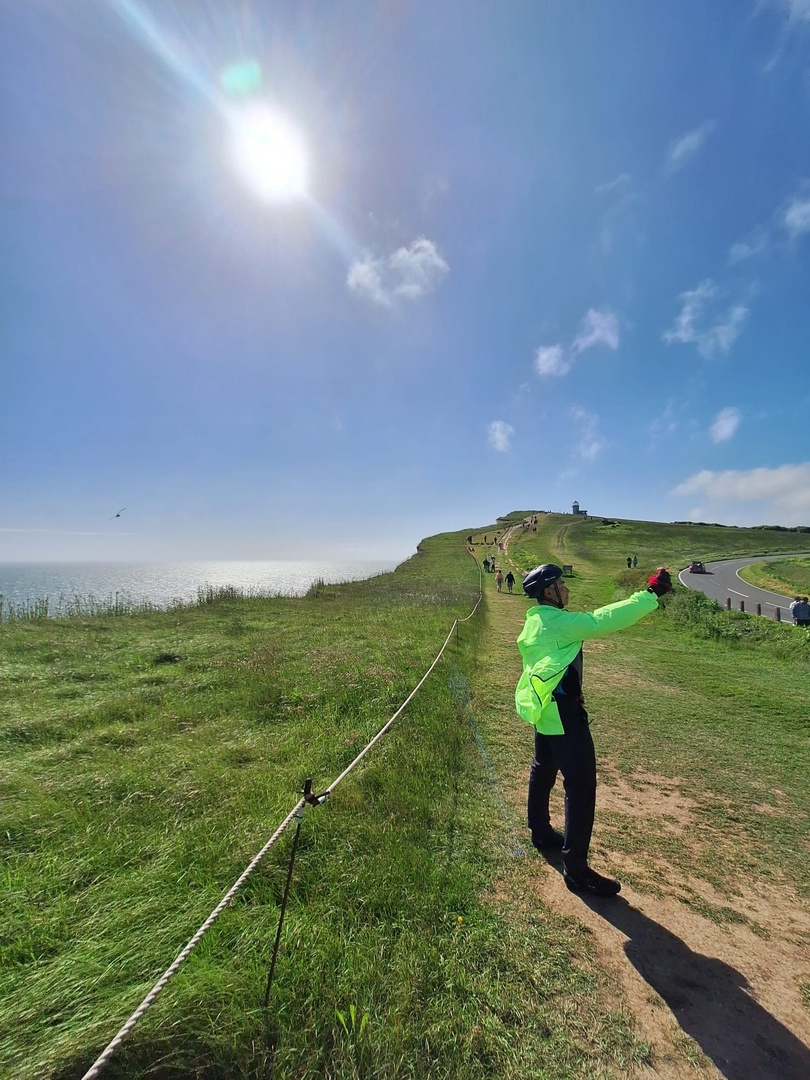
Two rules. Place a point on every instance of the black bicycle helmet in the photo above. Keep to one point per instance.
(538, 580)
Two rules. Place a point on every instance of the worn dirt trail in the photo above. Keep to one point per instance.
(710, 999)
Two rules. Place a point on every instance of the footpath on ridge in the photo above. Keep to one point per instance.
(709, 1000)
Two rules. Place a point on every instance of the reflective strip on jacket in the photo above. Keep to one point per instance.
(550, 641)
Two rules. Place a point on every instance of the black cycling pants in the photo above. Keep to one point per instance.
(571, 754)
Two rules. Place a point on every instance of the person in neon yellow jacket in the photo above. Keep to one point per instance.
(549, 696)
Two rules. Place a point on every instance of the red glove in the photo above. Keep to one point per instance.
(660, 582)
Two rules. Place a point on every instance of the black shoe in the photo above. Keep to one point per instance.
(550, 838)
(591, 882)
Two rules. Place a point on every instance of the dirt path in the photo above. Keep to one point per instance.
(710, 999)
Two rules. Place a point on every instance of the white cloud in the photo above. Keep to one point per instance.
(779, 496)
(687, 145)
(797, 216)
(711, 333)
(410, 273)
(725, 424)
(366, 278)
(417, 269)
(597, 328)
(499, 435)
(551, 360)
(621, 181)
(752, 245)
(589, 442)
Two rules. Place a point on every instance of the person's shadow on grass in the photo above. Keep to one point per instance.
(710, 999)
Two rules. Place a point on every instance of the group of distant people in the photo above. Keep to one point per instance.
(800, 610)
(631, 563)
(490, 567)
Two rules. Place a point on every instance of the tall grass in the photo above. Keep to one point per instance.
(144, 760)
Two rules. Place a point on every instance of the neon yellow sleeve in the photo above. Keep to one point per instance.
(586, 625)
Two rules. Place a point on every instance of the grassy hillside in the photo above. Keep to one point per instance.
(718, 700)
(144, 759)
(790, 577)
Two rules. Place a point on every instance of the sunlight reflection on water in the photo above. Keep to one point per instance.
(160, 584)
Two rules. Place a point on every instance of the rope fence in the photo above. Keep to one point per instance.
(98, 1065)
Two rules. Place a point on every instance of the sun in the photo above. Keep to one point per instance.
(270, 154)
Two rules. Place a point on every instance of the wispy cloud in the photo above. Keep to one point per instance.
(551, 360)
(499, 435)
(798, 10)
(409, 273)
(796, 217)
(664, 426)
(589, 442)
(621, 181)
(682, 149)
(792, 217)
(782, 494)
(752, 245)
(432, 189)
(725, 424)
(699, 325)
(597, 328)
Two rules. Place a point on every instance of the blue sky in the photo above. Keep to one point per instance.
(534, 252)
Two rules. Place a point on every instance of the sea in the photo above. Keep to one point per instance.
(63, 587)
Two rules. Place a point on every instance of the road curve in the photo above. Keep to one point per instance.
(723, 582)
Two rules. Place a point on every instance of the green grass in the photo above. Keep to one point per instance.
(790, 577)
(146, 756)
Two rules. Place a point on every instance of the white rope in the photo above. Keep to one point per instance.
(181, 958)
(115, 1042)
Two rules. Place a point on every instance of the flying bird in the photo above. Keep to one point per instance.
(120, 512)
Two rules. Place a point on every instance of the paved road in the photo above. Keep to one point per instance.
(722, 582)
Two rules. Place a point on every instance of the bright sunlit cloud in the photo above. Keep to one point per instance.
(774, 494)
(409, 273)
(269, 153)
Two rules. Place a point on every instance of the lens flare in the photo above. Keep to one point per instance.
(270, 154)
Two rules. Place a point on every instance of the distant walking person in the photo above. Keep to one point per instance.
(510, 580)
(499, 579)
(486, 565)
(549, 697)
(635, 561)
(796, 600)
(801, 612)
(629, 562)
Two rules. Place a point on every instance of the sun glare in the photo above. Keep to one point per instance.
(270, 154)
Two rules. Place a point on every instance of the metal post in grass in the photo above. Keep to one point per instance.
(778, 614)
(299, 818)
(759, 609)
(728, 603)
(742, 605)
(312, 800)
